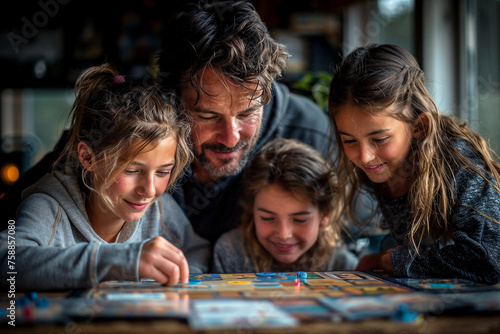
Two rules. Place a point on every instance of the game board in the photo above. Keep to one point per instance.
(279, 299)
(251, 286)
(272, 299)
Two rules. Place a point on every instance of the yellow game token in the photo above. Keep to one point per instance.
(239, 282)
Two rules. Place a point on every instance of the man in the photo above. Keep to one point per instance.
(220, 60)
(220, 64)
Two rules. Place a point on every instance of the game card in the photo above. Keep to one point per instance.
(240, 314)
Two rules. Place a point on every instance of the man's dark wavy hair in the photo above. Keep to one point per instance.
(227, 36)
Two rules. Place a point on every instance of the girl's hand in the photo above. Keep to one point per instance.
(386, 261)
(162, 261)
(377, 261)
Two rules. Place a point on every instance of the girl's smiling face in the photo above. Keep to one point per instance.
(286, 225)
(137, 187)
(378, 144)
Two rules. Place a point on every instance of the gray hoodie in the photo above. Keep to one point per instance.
(56, 247)
(229, 256)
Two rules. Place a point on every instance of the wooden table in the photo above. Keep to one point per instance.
(445, 323)
(430, 325)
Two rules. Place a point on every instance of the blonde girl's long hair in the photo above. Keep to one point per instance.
(118, 119)
(302, 171)
(387, 79)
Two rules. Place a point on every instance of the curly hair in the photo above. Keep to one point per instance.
(227, 36)
(386, 79)
(118, 119)
(301, 170)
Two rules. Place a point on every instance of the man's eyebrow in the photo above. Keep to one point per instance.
(252, 108)
(200, 110)
(376, 132)
(203, 111)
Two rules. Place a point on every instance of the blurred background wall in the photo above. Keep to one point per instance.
(45, 44)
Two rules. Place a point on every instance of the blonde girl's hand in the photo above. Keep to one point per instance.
(162, 261)
(377, 261)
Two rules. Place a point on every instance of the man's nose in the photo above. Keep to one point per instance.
(229, 132)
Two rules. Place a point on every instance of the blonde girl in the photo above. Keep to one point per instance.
(103, 213)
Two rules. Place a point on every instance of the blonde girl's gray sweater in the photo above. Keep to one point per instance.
(56, 247)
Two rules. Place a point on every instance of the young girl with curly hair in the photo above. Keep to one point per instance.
(290, 218)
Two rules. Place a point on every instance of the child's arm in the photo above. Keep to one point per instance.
(79, 266)
(472, 249)
(196, 249)
(51, 253)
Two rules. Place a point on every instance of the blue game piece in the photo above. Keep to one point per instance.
(31, 295)
(403, 314)
(302, 275)
(42, 302)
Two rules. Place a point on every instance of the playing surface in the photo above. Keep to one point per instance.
(268, 299)
(261, 285)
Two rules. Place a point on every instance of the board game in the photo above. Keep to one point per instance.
(259, 285)
(269, 300)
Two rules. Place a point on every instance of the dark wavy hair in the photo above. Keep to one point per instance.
(386, 79)
(227, 36)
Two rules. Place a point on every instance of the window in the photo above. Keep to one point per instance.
(481, 101)
(381, 21)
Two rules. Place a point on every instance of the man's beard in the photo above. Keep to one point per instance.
(218, 172)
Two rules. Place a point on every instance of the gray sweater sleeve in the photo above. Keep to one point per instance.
(179, 231)
(472, 248)
(228, 254)
(221, 247)
(40, 264)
